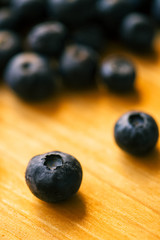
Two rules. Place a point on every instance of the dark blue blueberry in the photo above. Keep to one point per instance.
(78, 65)
(8, 19)
(111, 12)
(91, 36)
(29, 10)
(48, 38)
(136, 132)
(10, 44)
(137, 31)
(30, 77)
(71, 13)
(53, 176)
(118, 74)
(155, 10)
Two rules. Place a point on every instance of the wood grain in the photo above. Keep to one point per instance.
(120, 194)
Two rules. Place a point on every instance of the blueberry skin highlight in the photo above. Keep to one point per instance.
(71, 13)
(137, 31)
(10, 44)
(30, 77)
(136, 132)
(48, 38)
(118, 74)
(78, 66)
(53, 176)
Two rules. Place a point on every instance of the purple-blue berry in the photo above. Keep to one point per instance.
(53, 176)
(30, 76)
(78, 66)
(136, 132)
(48, 38)
(118, 74)
(137, 31)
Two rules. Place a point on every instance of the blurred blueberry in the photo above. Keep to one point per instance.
(29, 75)
(8, 19)
(71, 13)
(138, 31)
(155, 10)
(78, 66)
(111, 12)
(10, 44)
(48, 38)
(91, 36)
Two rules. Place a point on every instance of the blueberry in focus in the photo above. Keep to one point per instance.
(111, 12)
(10, 44)
(71, 13)
(48, 38)
(137, 31)
(118, 74)
(90, 35)
(8, 19)
(155, 10)
(136, 132)
(78, 66)
(53, 176)
(29, 75)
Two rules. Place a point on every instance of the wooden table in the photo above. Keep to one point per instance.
(119, 198)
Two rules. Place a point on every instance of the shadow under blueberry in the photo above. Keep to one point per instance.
(149, 56)
(49, 107)
(54, 104)
(73, 209)
(81, 93)
(130, 97)
(149, 161)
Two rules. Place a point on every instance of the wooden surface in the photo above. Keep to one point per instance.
(119, 198)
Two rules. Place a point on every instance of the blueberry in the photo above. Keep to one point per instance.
(155, 10)
(53, 176)
(10, 44)
(118, 74)
(30, 76)
(72, 13)
(29, 9)
(91, 36)
(7, 18)
(111, 12)
(136, 132)
(48, 38)
(137, 31)
(78, 65)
